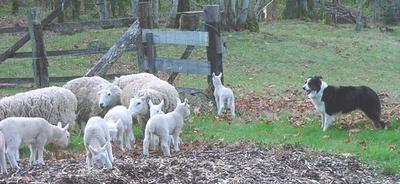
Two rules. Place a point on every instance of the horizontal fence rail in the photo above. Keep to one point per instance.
(196, 38)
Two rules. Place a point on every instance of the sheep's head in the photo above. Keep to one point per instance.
(183, 107)
(216, 79)
(109, 96)
(100, 156)
(138, 105)
(60, 134)
(156, 109)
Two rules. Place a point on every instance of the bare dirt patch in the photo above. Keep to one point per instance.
(208, 163)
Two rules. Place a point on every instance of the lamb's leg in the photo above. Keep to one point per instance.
(176, 141)
(322, 120)
(17, 154)
(88, 159)
(3, 162)
(83, 125)
(146, 143)
(127, 140)
(221, 105)
(109, 152)
(33, 149)
(171, 139)
(40, 150)
(164, 145)
(216, 101)
(121, 141)
(154, 142)
(11, 151)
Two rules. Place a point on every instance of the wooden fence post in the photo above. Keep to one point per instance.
(102, 9)
(39, 60)
(145, 17)
(212, 20)
(151, 54)
(145, 22)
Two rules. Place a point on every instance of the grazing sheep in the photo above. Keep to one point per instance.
(164, 125)
(136, 98)
(120, 116)
(97, 143)
(37, 132)
(55, 104)
(223, 94)
(3, 163)
(95, 96)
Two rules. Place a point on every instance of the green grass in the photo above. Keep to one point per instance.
(279, 58)
(381, 147)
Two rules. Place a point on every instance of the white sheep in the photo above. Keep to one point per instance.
(139, 79)
(122, 120)
(97, 143)
(37, 132)
(55, 104)
(3, 163)
(223, 94)
(95, 96)
(136, 98)
(164, 125)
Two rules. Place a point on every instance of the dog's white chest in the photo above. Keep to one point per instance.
(318, 104)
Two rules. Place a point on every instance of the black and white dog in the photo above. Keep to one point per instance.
(330, 100)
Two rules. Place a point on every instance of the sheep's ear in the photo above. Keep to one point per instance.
(220, 74)
(135, 93)
(66, 127)
(59, 125)
(92, 150)
(151, 103)
(178, 100)
(186, 101)
(213, 74)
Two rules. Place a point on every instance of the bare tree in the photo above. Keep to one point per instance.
(154, 7)
(172, 13)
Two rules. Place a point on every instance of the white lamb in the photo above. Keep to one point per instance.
(97, 143)
(95, 96)
(121, 118)
(164, 125)
(223, 94)
(3, 163)
(37, 132)
(55, 104)
(136, 98)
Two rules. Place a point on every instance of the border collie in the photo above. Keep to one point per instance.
(331, 100)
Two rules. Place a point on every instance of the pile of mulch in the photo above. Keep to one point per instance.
(299, 110)
(208, 163)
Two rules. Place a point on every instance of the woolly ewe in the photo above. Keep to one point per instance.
(120, 116)
(55, 104)
(37, 132)
(97, 143)
(223, 94)
(95, 96)
(164, 125)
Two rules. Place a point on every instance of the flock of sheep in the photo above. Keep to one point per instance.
(104, 112)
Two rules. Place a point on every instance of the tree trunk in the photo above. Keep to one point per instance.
(76, 9)
(172, 13)
(154, 8)
(230, 13)
(183, 6)
(359, 22)
(242, 12)
(115, 52)
(135, 8)
(102, 9)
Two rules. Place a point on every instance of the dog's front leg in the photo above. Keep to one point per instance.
(328, 121)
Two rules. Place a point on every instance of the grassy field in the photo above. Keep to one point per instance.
(278, 58)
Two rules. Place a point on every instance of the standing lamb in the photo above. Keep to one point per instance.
(136, 98)
(223, 94)
(37, 132)
(97, 143)
(3, 163)
(120, 116)
(164, 125)
(55, 104)
(95, 96)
